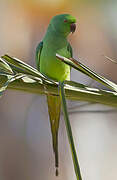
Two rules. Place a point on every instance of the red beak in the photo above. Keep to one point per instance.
(73, 27)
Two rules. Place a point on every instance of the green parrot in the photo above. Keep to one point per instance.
(55, 41)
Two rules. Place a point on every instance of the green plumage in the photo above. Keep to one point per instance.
(38, 53)
(54, 106)
(55, 41)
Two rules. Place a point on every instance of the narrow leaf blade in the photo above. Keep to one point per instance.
(4, 67)
(10, 79)
(69, 133)
(87, 71)
(23, 66)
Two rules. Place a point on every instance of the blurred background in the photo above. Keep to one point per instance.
(25, 137)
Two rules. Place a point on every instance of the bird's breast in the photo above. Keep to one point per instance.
(53, 67)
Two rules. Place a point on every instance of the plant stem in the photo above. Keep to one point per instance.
(69, 133)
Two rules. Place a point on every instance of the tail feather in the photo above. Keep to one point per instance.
(54, 107)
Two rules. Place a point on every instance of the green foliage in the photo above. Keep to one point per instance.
(34, 82)
(87, 71)
(17, 75)
(69, 132)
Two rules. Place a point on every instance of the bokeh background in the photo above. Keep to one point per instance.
(25, 137)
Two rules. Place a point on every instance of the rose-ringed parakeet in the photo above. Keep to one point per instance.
(55, 41)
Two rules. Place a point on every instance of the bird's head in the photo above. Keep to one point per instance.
(63, 23)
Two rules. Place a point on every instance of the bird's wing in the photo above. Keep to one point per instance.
(38, 53)
(69, 48)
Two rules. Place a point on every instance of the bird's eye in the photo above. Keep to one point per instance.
(65, 20)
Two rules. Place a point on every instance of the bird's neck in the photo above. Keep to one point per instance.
(54, 37)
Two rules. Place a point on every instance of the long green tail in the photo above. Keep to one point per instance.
(54, 107)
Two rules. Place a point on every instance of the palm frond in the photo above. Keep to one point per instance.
(17, 75)
(36, 84)
(87, 71)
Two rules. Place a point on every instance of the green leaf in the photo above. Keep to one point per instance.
(84, 69)
(73, 90)
(28, 79)
(69, 133)
(21, 67)
(4, 67)
(11, 78)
